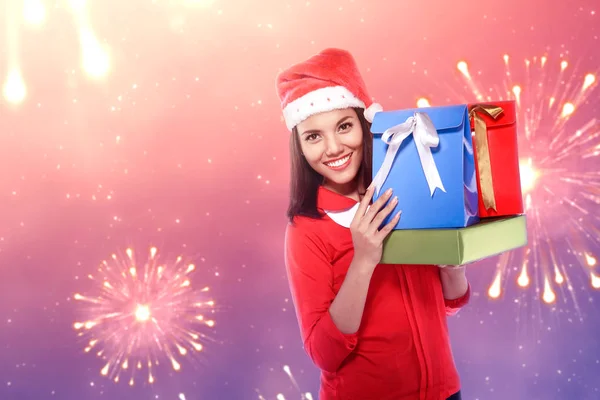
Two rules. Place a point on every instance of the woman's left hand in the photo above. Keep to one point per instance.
(452, 267)
(454, 281)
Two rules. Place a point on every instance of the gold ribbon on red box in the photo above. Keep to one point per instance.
(484, 164)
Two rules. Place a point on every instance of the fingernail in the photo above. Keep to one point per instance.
(398, 214)
(395, 200)
(389, 191)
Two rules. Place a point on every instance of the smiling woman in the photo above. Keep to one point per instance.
(375, 331)
(332, 149)
(332, 143)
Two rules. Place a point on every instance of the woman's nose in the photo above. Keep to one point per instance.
(334, 145)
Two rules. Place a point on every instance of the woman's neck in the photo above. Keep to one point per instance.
(349, 189)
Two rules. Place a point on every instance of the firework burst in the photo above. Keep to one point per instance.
(143, 314)
(560, 179)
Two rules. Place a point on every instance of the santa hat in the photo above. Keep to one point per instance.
(327, 81)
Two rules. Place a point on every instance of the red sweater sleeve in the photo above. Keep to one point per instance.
(310, 277)
(454, 305)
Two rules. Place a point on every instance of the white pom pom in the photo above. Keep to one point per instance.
(372, 110)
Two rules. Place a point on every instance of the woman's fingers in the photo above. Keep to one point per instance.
(383, 232)
(363, 205)
(374, 209)
(383, 214)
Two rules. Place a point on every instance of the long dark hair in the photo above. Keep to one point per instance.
(305, 181)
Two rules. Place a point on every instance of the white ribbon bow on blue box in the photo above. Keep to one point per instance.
(425, 136)
(418, 151)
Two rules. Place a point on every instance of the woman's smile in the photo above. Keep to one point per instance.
(340, 163)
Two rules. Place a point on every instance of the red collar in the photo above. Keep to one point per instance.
(331, 201)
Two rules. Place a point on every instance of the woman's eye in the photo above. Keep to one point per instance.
(345, 126)
(312, 136)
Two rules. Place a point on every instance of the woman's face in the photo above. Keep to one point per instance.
(332, 143)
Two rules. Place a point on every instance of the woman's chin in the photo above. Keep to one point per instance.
(341, 179)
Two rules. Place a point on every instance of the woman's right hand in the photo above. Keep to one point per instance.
(366, 235)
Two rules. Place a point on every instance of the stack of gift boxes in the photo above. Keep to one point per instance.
(455, 170)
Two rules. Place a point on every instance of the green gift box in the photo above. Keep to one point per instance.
(455, 246)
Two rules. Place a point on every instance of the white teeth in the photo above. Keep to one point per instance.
(339, 162)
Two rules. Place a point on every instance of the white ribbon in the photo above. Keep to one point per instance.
(425, 136)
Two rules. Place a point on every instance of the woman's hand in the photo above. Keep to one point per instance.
(348, 306)
(454, 281)
(366, 235)
(452, 267)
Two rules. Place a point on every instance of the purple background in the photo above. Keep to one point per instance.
(201, 169)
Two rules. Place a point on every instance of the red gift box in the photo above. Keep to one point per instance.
(494, 130)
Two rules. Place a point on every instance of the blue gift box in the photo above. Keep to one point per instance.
(433, 170)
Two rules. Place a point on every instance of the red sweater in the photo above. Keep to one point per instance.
(401, 350)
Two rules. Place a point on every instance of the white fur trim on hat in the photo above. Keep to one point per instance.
(318, 101)
(372, 110)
